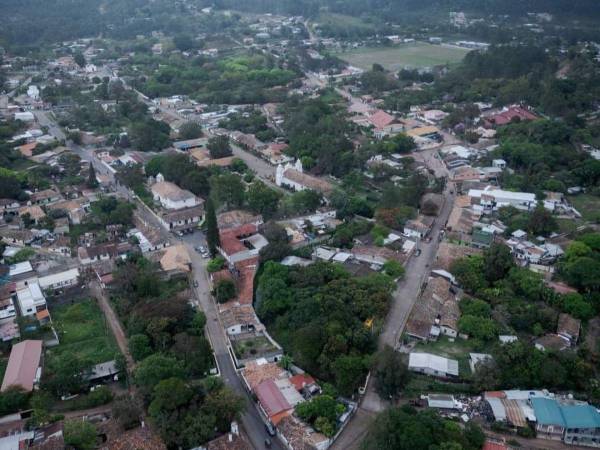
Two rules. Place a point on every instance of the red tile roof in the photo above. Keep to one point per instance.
(230, 239)
(381, 119)
(515, 112)
(22, 366)
(489, 445)
(271, 398)
(301, 380)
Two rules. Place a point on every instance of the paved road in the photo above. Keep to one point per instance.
(251, 420)
(404, 298)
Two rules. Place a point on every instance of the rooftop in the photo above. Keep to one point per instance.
(22, 365)
(271, 399)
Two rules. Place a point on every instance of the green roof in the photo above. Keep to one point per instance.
(549, 412)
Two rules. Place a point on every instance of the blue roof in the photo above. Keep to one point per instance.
(547, 411)
(581, 416)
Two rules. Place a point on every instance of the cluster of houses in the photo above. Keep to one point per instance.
(278, 391)
(553, 417)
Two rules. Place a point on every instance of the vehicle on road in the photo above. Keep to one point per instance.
(195, 283)
(270, 429)
(417, 252)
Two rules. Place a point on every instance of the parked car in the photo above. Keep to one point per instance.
(270, 429)
(195, 284)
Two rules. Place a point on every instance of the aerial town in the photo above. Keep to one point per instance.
(299, 226)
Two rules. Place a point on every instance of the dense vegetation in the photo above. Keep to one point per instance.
(244, 79)
(318, 314)
(406, 429)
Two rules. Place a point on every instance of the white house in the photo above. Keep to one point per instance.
(24, 116)
(33, 92)
(31, 299)
(172, 196)
(491, 199)
(433, 365)
(293, 177)
(60, 280)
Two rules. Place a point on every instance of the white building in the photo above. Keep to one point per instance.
(492, 199)
(31, 299)
(60, 280)
(293, 177)
(24, 116)
(433, 365)
(33, 92)
(476, 358)
(172, 196)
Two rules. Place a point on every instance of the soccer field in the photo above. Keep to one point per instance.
(415, 55)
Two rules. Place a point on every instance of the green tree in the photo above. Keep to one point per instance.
(393, 268)
(349, 373)
(219, 147)
(262, 199)
(391, 373)
(154, 369)
(497, 262)
(65, 374)
(183, 42)
(80, 434)
(12, 400)
(79, 59)
(212, 229)
(169, 395)
(139, 346)
(126, 411)
(228, 190)
(478, 327)
(224, 290)
(92, 182)
(215, 264)
(190, 130)
(541, 222)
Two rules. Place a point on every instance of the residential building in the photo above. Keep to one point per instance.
(239, 319)
(102, 252)
(182, 220)
(478, 358)
(24, 366)
(241, 243)
(271, 401)
(418, 228)
(575, 423)
(172, 196)
(293, 177)
(491, 199)
(435, 313)
(237, 218)
(568, 328)
(433, 365)
(60, 280)
(30, 299)
(509, 115)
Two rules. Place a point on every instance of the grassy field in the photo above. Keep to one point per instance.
(415, 55)
(83, 331)
(587, 205)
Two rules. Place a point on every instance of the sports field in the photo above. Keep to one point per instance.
(415, 55)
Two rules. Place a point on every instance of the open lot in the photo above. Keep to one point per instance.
(588, 205)
(415, 55)
(83, 331)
